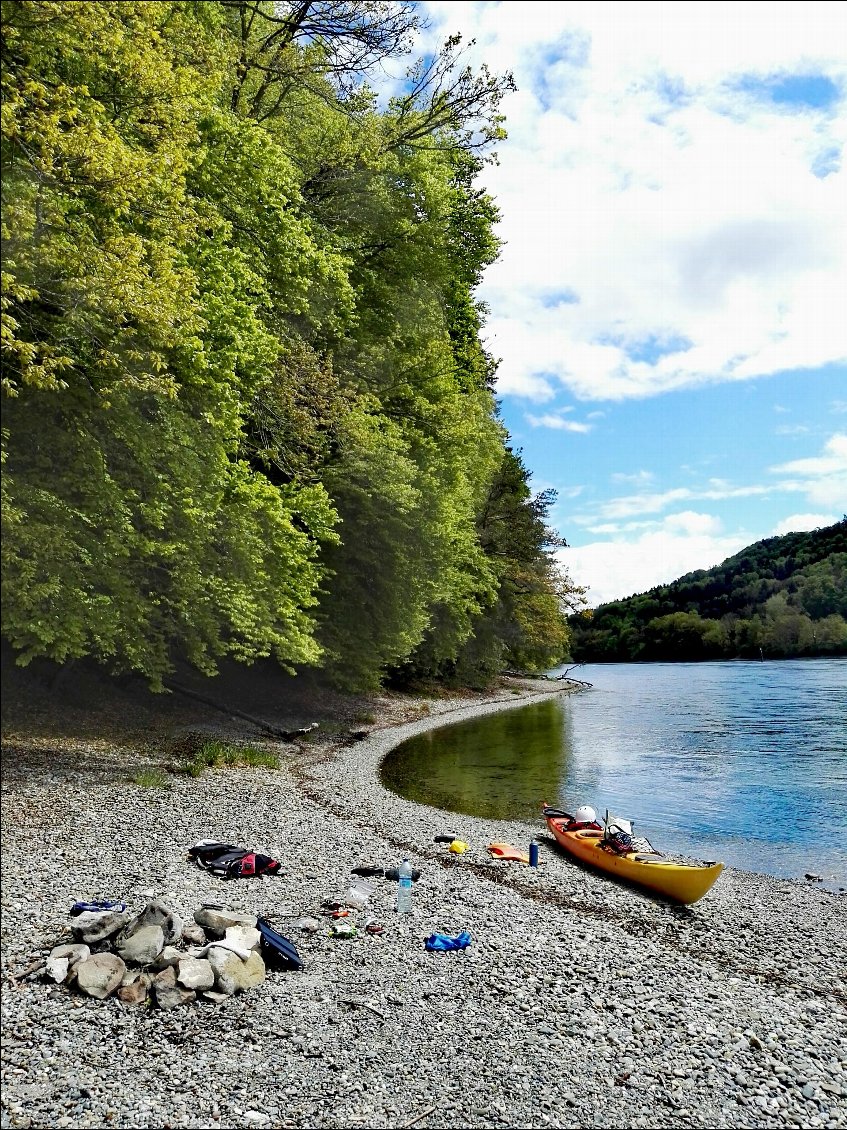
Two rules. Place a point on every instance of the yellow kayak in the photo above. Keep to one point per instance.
(682, 882)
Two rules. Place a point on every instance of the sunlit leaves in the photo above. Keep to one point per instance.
(248, 410)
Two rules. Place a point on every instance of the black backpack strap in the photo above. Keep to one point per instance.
(210, 849)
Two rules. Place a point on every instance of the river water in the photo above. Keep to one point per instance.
(740, 761)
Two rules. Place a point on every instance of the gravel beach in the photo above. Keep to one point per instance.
(579, 1003)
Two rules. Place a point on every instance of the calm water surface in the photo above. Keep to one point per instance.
(745, 762)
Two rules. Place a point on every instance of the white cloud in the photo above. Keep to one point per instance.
(800, 523)
(655, 502)
(680, 218)
(833, 461)
(559, 423)
(621, 567)
(825, 483)
(690, 522)
(639, 478)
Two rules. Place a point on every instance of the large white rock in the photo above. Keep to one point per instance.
(195, 973)
(245, 937)
(100, 975)
(232, 975)
(142, 946)
(217, 922)
(64, 958)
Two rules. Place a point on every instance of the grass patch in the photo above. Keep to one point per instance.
(364, 716)
(217, 755)
(151, 778)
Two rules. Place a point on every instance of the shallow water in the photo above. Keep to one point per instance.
(740, 761)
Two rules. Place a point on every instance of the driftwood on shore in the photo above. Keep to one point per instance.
(563, 678)
(275, 731)
(566, 677)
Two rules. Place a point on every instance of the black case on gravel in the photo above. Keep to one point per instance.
(277, 952)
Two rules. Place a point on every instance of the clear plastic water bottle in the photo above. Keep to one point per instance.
(404, 888)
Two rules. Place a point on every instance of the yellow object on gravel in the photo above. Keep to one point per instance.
(458, 847)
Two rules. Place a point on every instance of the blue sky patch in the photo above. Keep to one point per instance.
(828, 161)
(550, 61)
(802, 92)
(672, 90)
(552, 298)
(650, 348)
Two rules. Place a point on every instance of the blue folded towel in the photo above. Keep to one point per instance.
(445, 942)
(115, 905)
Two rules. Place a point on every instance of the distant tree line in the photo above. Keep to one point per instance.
(784, 596)
(247, 411)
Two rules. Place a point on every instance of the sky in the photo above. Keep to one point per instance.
(670, 305)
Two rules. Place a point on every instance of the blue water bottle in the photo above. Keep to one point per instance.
(533, 853)
(404, 887)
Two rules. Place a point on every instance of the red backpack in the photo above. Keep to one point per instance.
(230, 862)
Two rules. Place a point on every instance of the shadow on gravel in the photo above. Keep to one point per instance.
(84, 701)
(24, 766)
(683, 912)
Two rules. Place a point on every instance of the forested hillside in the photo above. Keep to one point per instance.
(246, 407)
(782, 596)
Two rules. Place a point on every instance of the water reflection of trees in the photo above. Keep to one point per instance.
(501, 765)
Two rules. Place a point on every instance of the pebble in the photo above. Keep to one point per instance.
(724, 1017)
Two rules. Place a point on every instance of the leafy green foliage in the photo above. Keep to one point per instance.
(523, 623)
(780, 597)
(247, 408)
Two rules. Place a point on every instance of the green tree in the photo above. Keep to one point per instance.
(133, 340)
(248, 409)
